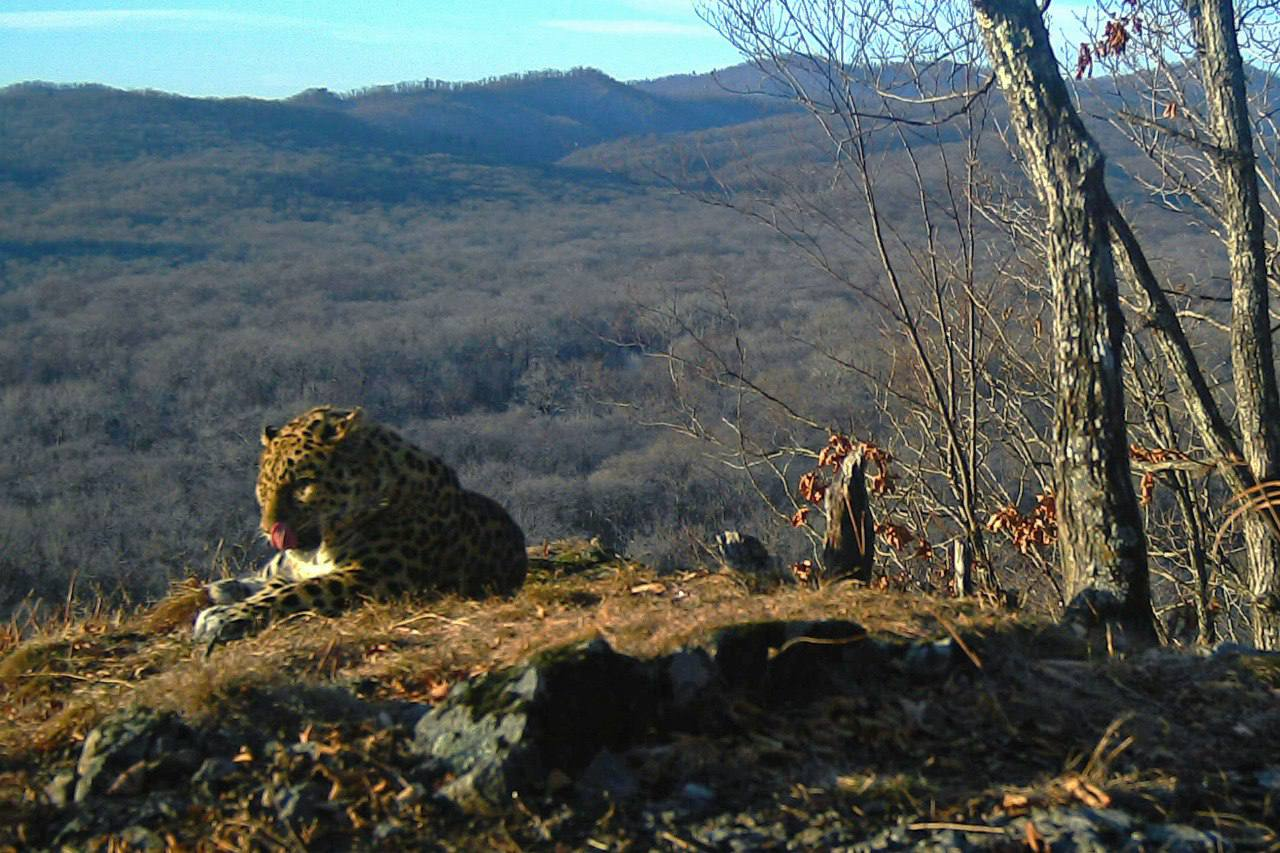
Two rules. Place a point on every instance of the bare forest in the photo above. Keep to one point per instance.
(637, 312)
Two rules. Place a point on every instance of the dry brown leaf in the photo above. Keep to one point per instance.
(1087, 792)
(1015, 803)
(1035, 843)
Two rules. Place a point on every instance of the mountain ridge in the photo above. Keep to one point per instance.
(523, 119)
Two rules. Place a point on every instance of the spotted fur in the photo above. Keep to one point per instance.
(371, 516)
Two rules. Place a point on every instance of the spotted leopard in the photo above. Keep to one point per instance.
(357, 512)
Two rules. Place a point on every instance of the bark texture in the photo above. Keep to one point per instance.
(1101, 540)
(1252, 359)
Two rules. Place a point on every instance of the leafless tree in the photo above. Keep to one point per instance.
(942, 301)
(1192, 117)
(1205, 122)
(1103, 544)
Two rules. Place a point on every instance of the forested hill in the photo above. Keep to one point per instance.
(459, 259)
(175, 272)
(531, 118)
(540, 117)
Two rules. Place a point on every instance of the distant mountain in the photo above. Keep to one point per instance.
(734, 81)
(532, 118)
(750, 81)
(543, 116)
(48, 130)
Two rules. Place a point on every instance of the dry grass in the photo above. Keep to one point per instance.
(66, 677)
(1039, 726)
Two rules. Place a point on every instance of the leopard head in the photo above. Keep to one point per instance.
(308, 477)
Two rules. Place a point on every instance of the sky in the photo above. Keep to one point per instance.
(276, 48)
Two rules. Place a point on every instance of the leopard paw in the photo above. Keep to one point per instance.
(231, 590)
(221, 623)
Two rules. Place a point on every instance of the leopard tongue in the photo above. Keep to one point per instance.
(282, 536)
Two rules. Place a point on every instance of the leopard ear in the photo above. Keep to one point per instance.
(342, 426)
(268, 433)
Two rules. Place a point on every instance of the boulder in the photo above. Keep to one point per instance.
(508, 731)
(133, 750)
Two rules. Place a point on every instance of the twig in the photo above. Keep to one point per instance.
(679, 842)
(821, 641)
(973, 658)
(463, 623)
(959, 827)
(72, 675)
(324, 657)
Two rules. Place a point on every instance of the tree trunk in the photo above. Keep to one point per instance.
(1252, 361)
(1101, 540)
(849, 548)
(962, 568)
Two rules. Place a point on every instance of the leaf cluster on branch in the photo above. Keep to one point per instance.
(814, 484)
(1115, 39)
(1036, 529)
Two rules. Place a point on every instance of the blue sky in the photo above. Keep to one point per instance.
(275, 48)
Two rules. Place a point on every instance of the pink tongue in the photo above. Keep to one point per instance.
(282, 536)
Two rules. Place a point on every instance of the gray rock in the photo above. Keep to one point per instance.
(298, 803)
(153, 745)
(900, 837)
(695, 793)
(742, 552)
(1226, 648)
(1113, 821)
(749, 841)
(791, 662)
(124, 817)
(212, 775)
(507, 731)
(1089, 830)
(607, 776)
(1180, 838)
(690, 675)
(1270, 778)
(61, 790)
(927, 660)
(141, 838)
(387, 831)
(1072, 830)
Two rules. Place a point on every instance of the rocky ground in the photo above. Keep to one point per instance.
(608, 708)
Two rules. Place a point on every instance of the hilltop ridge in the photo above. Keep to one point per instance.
(605, 706)
(528, 118)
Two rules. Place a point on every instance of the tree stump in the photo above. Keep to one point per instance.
(848, 550)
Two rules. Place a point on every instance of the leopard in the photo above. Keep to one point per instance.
(357, 512)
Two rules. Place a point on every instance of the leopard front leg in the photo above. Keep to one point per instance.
(293, 564)
(327, 594)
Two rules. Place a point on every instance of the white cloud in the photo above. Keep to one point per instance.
(95, 18)
(205, 19)
(662, 7)
(630, 28)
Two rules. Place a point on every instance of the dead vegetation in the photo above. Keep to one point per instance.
(72, 674)
(1036, 724)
